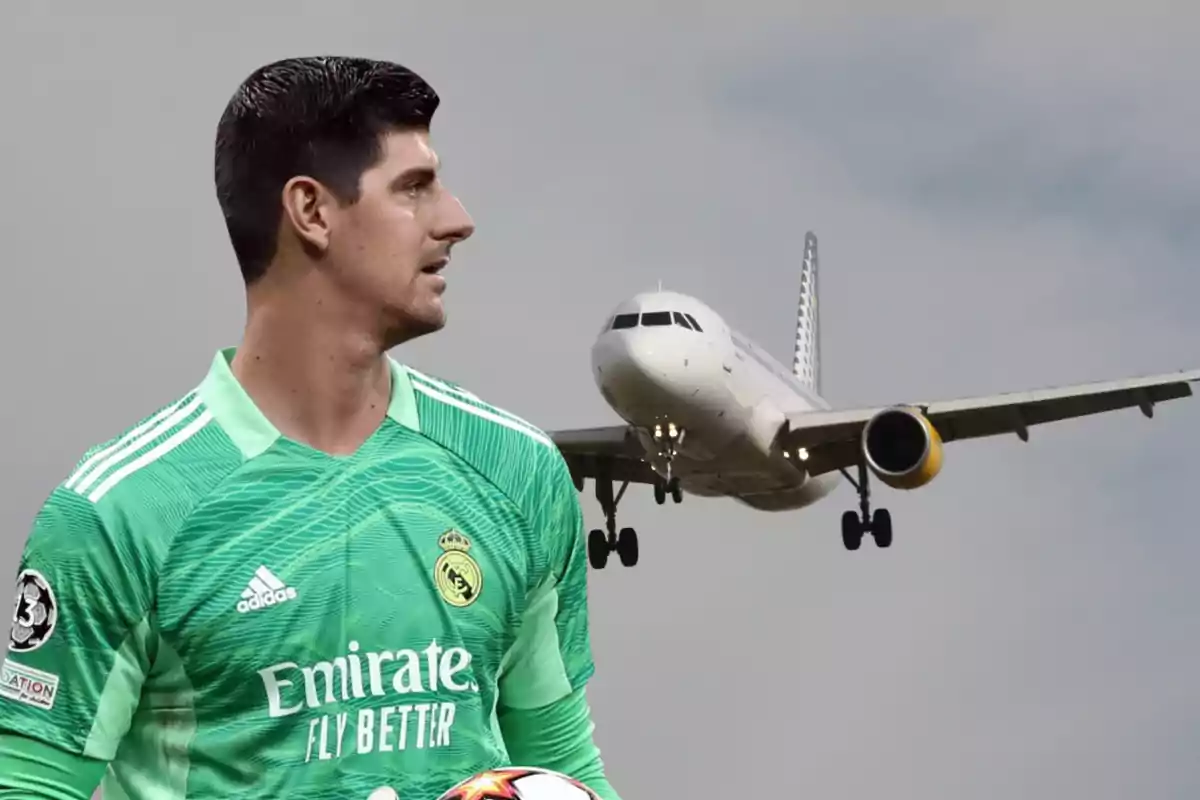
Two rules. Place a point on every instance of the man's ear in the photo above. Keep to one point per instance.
(306, 209)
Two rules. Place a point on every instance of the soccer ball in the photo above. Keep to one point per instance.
(519, 783)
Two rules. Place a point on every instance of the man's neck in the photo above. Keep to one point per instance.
(318, 378)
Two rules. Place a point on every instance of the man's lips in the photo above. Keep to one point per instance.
(433, 268)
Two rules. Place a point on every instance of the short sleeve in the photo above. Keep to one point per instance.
(552, 654)
(78, 642)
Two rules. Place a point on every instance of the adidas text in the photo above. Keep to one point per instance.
(266, 599)
(264, 590)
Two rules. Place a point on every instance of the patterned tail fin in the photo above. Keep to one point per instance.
(806, 359)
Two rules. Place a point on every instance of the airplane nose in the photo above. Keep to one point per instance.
(628, 356)
(633, 363)
(655, 374)
(644, 354)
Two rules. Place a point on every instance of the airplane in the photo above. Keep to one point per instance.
(710, 413)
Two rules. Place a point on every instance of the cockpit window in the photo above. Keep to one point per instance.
(654, 319)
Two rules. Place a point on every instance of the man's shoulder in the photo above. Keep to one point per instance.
(496, 440)
(152, 470)
(515, 456)
(448, 402)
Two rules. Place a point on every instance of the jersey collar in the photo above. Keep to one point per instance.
(252, 432)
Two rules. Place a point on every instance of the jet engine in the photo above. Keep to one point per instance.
(902, 447)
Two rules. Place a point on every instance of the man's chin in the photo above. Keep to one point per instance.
(411, 324)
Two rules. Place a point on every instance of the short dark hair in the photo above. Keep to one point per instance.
(322, 116)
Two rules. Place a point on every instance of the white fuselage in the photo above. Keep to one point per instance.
(728, 396)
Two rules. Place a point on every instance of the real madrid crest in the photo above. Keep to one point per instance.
(458, 576)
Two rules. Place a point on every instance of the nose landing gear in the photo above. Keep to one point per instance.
(664, 486)
(668, 439)
(624, 542)
(668, 442)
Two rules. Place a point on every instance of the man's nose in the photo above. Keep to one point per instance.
(456, 224)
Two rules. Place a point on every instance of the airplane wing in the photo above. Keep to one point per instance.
(615, 445)
(832, 438)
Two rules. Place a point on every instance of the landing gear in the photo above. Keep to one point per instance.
(668, 440)
(602, 542)
(664, 486)
(856, 524)
(853, 529)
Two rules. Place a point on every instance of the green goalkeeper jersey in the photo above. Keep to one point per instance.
(222, 612)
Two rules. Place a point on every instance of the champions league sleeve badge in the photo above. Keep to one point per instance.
(35, 613)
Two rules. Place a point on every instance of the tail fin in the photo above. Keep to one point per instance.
(806, 358)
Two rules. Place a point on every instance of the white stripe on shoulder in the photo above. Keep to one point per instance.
(149, 457)
(483, 413)
(434, 383)
(445, 387)
(91, 460)
(132, 446)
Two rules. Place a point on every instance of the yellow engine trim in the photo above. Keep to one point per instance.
(928, 469)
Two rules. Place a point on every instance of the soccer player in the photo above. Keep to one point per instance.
(319, 573)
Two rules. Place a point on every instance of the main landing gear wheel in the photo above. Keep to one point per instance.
(601, 543)
(880, 528)
(857, 524)
(598, 550)
(627, 547)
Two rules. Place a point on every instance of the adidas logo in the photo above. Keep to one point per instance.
(264, 590)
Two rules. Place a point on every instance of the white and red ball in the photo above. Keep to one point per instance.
(519, 783)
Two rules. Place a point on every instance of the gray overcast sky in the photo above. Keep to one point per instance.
(1004, 201)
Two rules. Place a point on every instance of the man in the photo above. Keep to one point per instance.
(320, 573)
